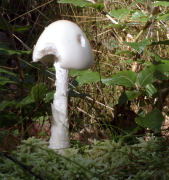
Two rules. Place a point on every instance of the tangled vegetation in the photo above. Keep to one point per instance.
(125, 93)
(103, 160)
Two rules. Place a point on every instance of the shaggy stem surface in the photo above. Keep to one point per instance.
(60, 126)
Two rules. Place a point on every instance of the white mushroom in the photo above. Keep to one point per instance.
(64, 43)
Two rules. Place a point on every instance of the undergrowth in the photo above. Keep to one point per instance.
(126, 90)
(102, 160)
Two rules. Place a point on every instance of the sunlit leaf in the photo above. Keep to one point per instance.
(139, 16)
(80, 3)
(119, 13)
(86, 76)
(164, 17)
(123, 78)
(138, 46)
(145, 77)
(161, 3)
(150, 89)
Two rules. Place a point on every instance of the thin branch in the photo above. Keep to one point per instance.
(26, 168)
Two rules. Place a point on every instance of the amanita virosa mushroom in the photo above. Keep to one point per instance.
(65, 44)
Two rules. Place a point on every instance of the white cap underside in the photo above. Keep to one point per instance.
(66, 41)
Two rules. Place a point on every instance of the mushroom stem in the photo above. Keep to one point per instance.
(60, 126)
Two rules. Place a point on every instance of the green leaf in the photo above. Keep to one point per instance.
(49, 96)
(160, 59)
(13, 52)
(6, 103)
(25, 101)
(7, 72)
(150, 89)
(80, 3)
(164, 17)
(119, 13)
(138, 46)
(123, 78)
(132, 94)
(163, 68)
(162, 71)
(86, 76)
(38, 92)
(5, 80)
(161, 3)
(145, 77)
(139, 16)
(98, 6)
(152, 120)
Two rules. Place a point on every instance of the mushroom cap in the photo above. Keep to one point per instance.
(65, 42)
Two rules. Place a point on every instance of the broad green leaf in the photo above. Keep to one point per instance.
(161, 3)
(6, 103)
(5, 80)
(38, 92)
(139, 16)
(80, 3)
(129, 61)
(86, 76)
(119, 13)
(150, 89)
(163, 68)
(132, 95)
(25, 101)
(145, 77)
(138, 46)
(123, 78)
(161, 71)
(49, 96)
(152, 120)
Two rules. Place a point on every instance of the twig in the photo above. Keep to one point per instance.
(31, 10)
(21, 165)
